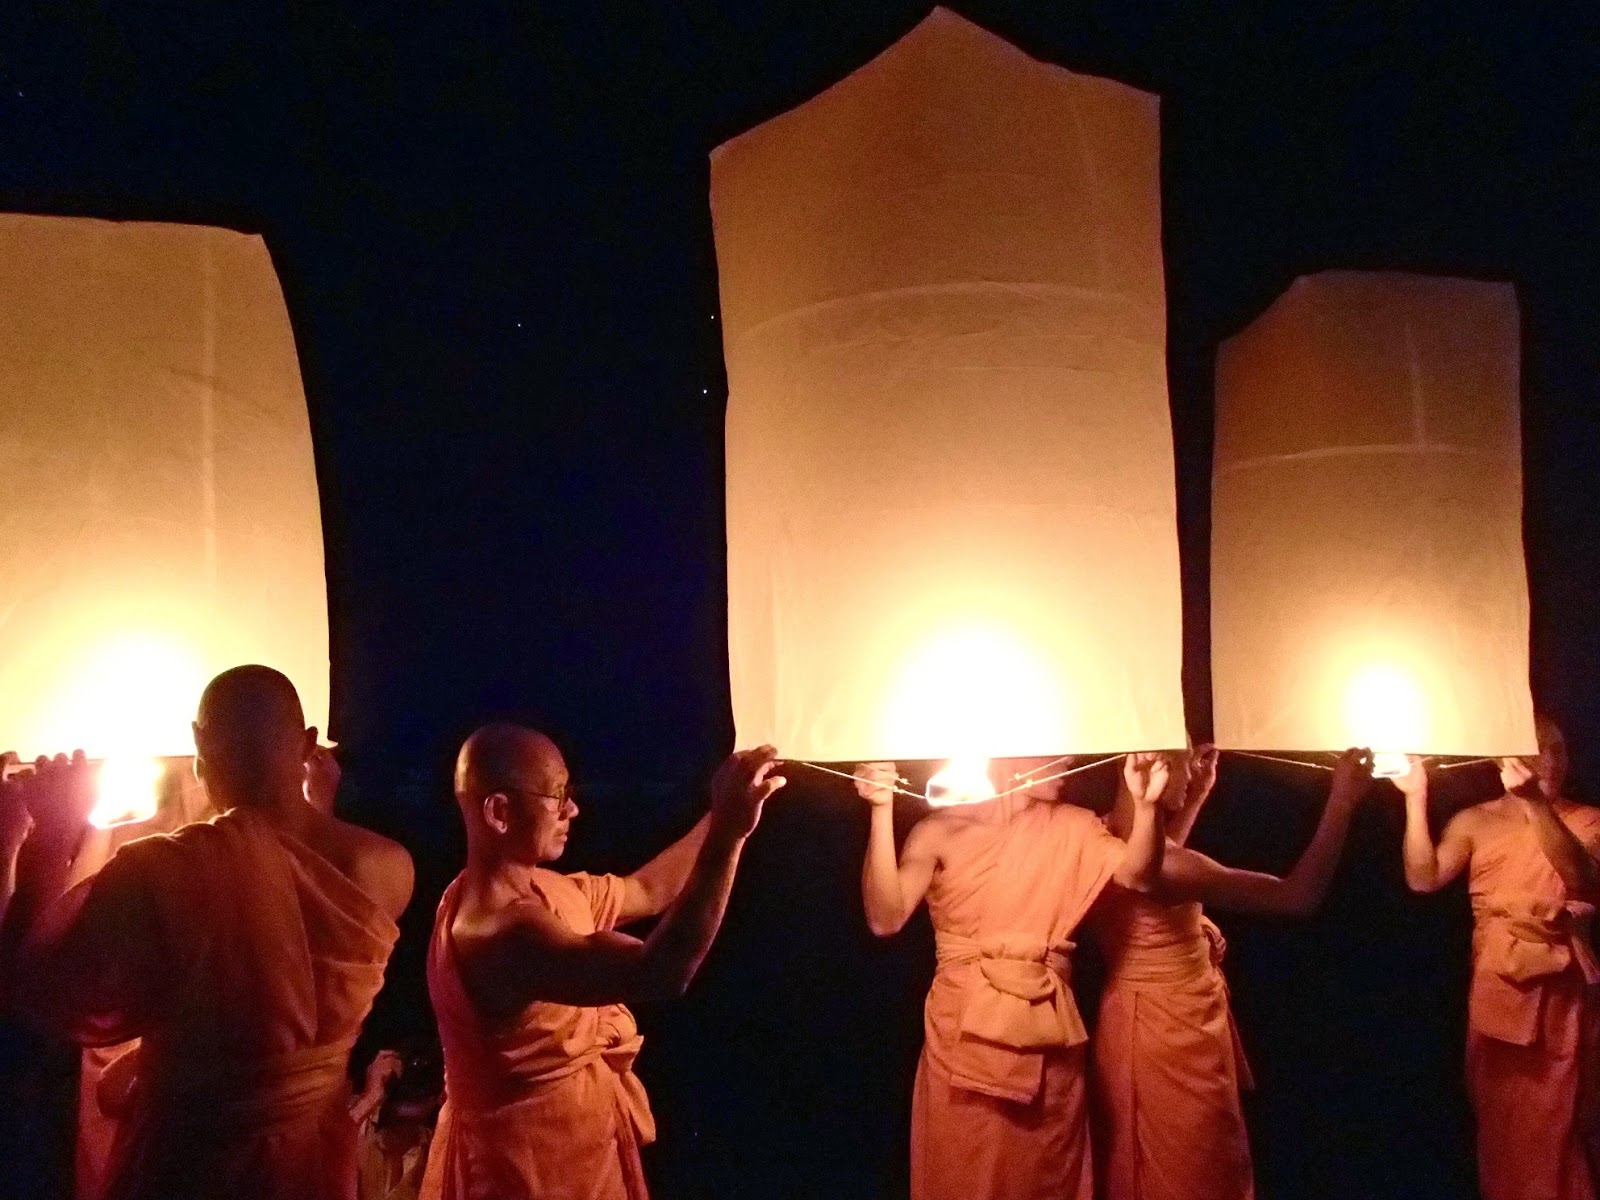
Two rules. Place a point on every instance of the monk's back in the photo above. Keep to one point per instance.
(264, 960)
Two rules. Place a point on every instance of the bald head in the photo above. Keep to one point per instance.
(507, 780)
(505, 757)
(251, 737)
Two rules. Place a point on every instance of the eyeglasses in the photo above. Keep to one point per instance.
(566, 796)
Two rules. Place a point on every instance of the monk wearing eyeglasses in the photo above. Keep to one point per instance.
(530, 979)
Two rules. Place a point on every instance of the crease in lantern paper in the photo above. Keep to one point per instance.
(999, 287)
(1348, 451)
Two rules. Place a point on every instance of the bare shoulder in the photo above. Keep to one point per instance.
(486, 935)
(934, 832)
(377, 865)
(1473, 822)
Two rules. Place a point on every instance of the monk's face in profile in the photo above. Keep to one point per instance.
(533, 815)
(1180, 768)
(1551, 765)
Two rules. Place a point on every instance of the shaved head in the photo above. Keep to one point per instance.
(507, 776)
(251, 737)
(244, 701)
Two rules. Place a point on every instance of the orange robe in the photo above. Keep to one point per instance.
(1531, 1013)
(1167, 1061)
(246, 962)
(544, 1105)
(999, 1108)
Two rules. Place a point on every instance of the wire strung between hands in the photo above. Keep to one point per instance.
(899, 791)
(1028, 782)
(1427, 760)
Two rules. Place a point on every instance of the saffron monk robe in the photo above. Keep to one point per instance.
(1167, 1062)
(530, 980)
(999, 1109)
(245, 951)
(1532, 1015)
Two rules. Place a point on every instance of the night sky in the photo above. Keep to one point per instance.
(492, 226)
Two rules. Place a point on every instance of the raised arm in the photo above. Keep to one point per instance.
(16, 823)
(1202, 778)
(1188, 875)
(650, 890)
(1560, 846)
(892, 888)
(1145, 776)
(533, 956)
(59, 850)
(1430, 867)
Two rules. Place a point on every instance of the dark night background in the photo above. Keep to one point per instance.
(492, 228)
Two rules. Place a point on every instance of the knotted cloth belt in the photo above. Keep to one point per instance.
(1017, 1006)
(1516, 951)
(255, 1096)
(1023, 1001)
(616, 1045)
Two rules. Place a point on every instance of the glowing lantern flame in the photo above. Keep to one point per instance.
(1389, 764)
(973, 690)
(1384, 708)
(127, 694)
(128, 792)
(961, 781)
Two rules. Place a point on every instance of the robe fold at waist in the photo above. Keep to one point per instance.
(1185, 961)
(1017, 1006)
(255, 1096)
(1518, 950)
(529, 1079)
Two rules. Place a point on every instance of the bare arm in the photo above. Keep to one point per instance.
(58, 851)
(535, 957)
(1187, 875)
(1430, 867)
(1146, 778)
(650, 890)
(1202, 779)
(1560, 846)
(891, 888)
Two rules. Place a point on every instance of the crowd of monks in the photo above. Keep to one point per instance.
(241, 954)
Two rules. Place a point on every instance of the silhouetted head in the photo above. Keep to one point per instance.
(250, 738)
(515, 794)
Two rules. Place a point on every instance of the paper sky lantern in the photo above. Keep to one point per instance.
(1367, 577)
(951, 516)
(160, 505)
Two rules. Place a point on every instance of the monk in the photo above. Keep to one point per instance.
(1532, 1015)
(530, 979)
(245, 951)
(1167, 1061)
(999, 1108)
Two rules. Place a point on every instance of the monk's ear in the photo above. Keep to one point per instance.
(310, 746)
(497, 811)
